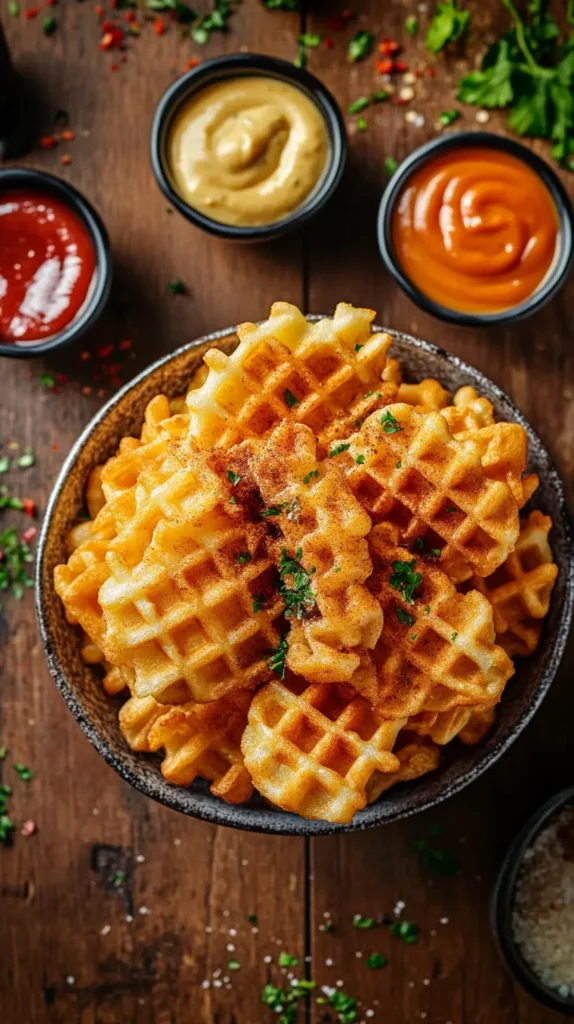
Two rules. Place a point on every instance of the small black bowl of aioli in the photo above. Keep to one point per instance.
(270, 143)
(55, 263)
(476, 229)
(503, 904)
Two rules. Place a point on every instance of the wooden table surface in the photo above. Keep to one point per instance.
(74, 947)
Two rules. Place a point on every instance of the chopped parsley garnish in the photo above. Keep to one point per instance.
(451, 508)
(300, 598)
(447, 117)
(338, 449)
(252, 918)
(439, 861)
(376, 960)
(328, 926)
(399, 464)
(281, 5)
(404, 617)
(390, 165)
(274, 510)
(234, 477)
(277, 661)
(364, 923)
(404, 579)
(306, 41)
(6, 823)
(243, 556)
(4, 464)
(355, 108)
(7, 501)
(49, 26)
(361, 124)
(314, 473)
(234, 965)
(215, 21)
(411, 25)
(290, 398)
(405, 930)
(360, 460)
(287, 960)
(380, 95)
(118, 879)
(427, 609)
(419, 544)
(360, 46)
(258, 602)
(389, 423)
(369, 393)
(47, 380)
(447, 25)
(3, 753)
(177, 287)
(433, 553)
(344, 1005)
(23, 772)
(284, 1000)
(413, 636)
(453, 637)
(26, 460)
(358, 347)
(13, 8)
(15, 554)
(233, 500)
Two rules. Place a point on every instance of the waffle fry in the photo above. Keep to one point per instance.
(326, 375)
(479, 723)
(428, 394)
(406, 468)
(137, 718)
(318, 517)
(313, 749)
(437, 649)
(520, 590)
(204, 740)
(444, 726)
(416, 758)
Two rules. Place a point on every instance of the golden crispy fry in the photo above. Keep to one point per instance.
(477, 726)
(326, 375)
(78, 583)
(317, 515)
(416, 757)
(204, 740)
(444, 726)
(437, 649)
(137, 718)
(415, 474)
(392, 373)
(313, 749)
(95, 498)
(520, 590)
(428, 394)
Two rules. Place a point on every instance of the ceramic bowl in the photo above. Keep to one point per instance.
(96, 713)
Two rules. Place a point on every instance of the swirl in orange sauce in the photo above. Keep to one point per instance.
(476, 230)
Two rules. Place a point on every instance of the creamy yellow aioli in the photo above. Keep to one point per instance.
(248, 151)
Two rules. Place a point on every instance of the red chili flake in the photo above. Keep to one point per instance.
(32, 12)
(55, 447)
(62, 378)
(29, 507)
(130, 17)
(401, 66)
(116, 382)
(385, 67)
(85, 356)
(430, 72)
(335, 24)
(114, 67)
(48, 142)
(191, 63)
(107, 26)
(418, 73)
(328, 43)
(104, 351)
(389, 47)
(50, 3)
(29, 534)
(99, 9)
(123, 345)
(66, 159)
(348, 14)
(107, 41)
(28, 828)
(112, 38)
(100, 392)
(68, 136)
(86, 390)
(158, 27)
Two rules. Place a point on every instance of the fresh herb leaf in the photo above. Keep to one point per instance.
(290, 398)
(243, 556)
(404, 579)
(376, 960)
(215, 21)
(177, 287)
(360, 46)
(361, 124)
(25, 773)
(447, 26)
(234, 965)
(338, 449)
(364, 923)
(49, 26)
(234, 477)
(284, 1001)
(4, 464)
(405, 930)
(6, 828)
(491, 87)
(258, 602)
(118, 879)
(411, 25)
(360, 460)
(252, 918)
(282, 5)
(399, 464)
(14, 555)
(300, 598)
(313, 473)
(3, 753)
(389, 423)
(453, 637)
(404, 617)
(274, 510)
(287, 960)
(26, 460)
(390, 165)
(277, 661)
(380, 95)
(345, 1006)
(447, 117)
(13, 8)
(306, 41)
(355, 108)
(47, 380)
(427, 609)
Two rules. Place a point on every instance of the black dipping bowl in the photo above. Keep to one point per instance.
(248, 65)
(503, 903)
(97, 714)
(479, 140)
(21, 178)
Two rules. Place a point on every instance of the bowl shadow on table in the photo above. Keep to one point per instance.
(351, 214)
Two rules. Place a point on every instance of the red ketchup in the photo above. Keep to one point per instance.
(47, 264)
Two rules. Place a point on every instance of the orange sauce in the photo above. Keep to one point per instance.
(476, 230)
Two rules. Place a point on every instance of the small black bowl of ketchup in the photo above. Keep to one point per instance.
(476, 229)
(55, 266)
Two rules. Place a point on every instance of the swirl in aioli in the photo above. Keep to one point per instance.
(476, 230)
(248, 151)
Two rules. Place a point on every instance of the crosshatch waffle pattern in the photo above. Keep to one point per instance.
(320, 517)
(326, 375)
(437, 650)
(294, 422)
(520, 590)
(418, 476)
(313, 749)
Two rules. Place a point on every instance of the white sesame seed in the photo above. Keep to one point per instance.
(226, 913)
(399, 907)
(129, 918)
(423, 1015)
(106, 929)
(327, 913)
(419, 121)
(409, 78)
(328, 962)
(244, 862)
(226, 980)
(410, 116)
(217, 983)
(369, 1013)
(140, 858)
(177, 842)
(229, 985)
(218, 972)
(407, 93)
(144, 910)
(411, 984)
(444, 920)
(255, 931)
(31, 721)
(482, 116)
(233, 931)
(206, 983)
(426, 981)
(267, 959)
(308, 959)
(339, 983)
(70, 980)
(358, 954)
(291, 976)
(230, 947)
(208, 929)
(432, 931)
(95, 811)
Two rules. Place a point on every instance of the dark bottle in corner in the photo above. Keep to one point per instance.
(14, 121)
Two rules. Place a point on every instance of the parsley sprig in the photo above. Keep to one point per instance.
(15, 555)
(278, 659)
(530, 72)
(284, 1000)
(300, 598)
(447, 26)
(404, 579)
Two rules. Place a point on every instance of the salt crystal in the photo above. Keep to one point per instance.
(106, 929)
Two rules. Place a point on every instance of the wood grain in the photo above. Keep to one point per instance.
(61, 915)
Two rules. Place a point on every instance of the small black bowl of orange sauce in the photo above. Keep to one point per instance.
(55, 264)
(476, 229)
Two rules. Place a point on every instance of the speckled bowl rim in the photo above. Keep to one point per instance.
(198, 802)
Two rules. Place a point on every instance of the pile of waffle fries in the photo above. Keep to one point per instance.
(309, 575)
